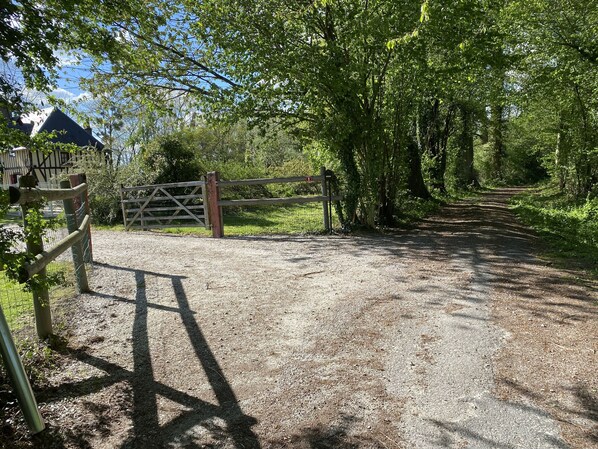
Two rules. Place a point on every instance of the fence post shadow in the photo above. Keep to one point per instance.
(147, 432)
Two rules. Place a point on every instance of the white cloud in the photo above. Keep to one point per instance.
(67, 58)
(40, 99)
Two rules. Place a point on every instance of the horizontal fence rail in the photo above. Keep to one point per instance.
(270, 201)
(214, 185)
(248, 182)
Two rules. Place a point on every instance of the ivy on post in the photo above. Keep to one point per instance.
(35, 245)
(77, 249)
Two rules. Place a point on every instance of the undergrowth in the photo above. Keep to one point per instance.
(569, 227)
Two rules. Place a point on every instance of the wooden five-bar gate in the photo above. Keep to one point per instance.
(164, 205)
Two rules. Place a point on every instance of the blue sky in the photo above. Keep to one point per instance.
(70, 72)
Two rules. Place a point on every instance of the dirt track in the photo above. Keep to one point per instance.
(447, 336)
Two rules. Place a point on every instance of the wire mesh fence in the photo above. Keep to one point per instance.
(16, 298)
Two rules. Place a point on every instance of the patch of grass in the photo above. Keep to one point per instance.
(15, 302)
(413, 210)
(294, 219)
(569, 227)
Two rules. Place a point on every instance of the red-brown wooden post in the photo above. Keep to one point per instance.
(214, 211)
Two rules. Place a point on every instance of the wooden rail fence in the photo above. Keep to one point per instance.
(152, 206)
(28, 197)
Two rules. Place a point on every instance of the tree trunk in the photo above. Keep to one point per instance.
(352, 193)
(496, 140)
(415, 180)
(435, 141)
(465, 171)
(560, 154)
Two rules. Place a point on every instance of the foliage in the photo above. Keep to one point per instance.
(37, 357)
(171, 161)
(558, 75)
(570, 229)
(104, 179)
(391, 95)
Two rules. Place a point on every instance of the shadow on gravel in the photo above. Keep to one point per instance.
(331, 437)
(451, 429)
(144, 389)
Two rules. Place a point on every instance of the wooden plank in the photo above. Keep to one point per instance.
(248, 182)
(165, 208)
(47, 256)
(162, 198)
(168, 217)
(164, 226)
(27, 195)
(187, 201)
(270, 201)
(182, 205)
(164, 186)
(140, 212)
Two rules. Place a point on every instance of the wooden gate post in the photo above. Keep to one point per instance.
(35, 246)
(77, 248)
(214, 210)
(75, 181)
(325, 202)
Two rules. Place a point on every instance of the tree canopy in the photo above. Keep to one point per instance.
(408, 98)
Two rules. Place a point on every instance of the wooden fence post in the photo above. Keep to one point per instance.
(75, 181)
(77, 248)
(35, 246)
(214, 210)
(325, 202)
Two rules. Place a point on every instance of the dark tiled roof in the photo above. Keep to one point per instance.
(67, 129)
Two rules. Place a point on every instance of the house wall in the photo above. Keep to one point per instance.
(48, 166)
(14, 165)
(45, 166)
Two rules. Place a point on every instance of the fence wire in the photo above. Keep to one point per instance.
(17, 301)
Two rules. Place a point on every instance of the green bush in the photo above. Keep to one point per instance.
(104, 180)
(171, 160)
(570, 227)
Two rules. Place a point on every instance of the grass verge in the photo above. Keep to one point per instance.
(570, 228)
(295, 219)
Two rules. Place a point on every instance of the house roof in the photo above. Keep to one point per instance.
(53, 119)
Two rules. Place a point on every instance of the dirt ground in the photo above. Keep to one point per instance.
(452, 335)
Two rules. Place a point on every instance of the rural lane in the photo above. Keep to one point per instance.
(444, 336)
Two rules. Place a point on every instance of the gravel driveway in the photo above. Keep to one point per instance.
(425, 339)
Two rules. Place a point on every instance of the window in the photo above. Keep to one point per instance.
(64, 158)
